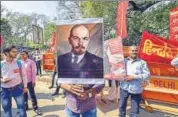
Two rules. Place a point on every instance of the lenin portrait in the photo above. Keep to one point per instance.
(79, 62)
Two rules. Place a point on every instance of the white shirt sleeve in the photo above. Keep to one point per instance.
(174, 62)
(145, 72)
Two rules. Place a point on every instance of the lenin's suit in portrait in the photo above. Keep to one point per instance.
(90, 66)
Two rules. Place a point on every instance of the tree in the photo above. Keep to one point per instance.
(6, 30)
(21, 24)
(104, 9)
(68, 10)
(155, 21)
(141, 15)
(49, 29)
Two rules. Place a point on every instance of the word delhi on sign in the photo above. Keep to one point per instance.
(164, 83)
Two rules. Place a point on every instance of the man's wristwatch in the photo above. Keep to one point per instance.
(90, 95)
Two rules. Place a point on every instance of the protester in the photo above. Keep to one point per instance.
(174, 62)
(113, 91)
(38, 62)
(13, 82)
(53, 79)
(30, 68)
(80, 100)
(137, 72)
(53, 75)
(58, 86)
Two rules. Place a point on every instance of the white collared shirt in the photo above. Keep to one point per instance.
(80, 57)
(11, 70)
(139, 69)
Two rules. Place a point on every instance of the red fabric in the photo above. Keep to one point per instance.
(115, 45)
(53, 42)
(157, 49)
(1, 40)
(115, 58)
(122, 18)
(162, 69)
(173, 24)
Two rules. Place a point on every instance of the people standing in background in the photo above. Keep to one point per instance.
(30, 68)
(113, 91)
(38, 64)
(53, 80)
(53, 75)
(38, 61)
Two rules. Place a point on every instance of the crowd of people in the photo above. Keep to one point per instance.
(18, 77)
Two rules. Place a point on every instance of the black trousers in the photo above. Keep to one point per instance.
(110, 83)
(32, 95)
(38, 66)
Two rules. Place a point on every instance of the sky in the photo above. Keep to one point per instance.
(42, 7)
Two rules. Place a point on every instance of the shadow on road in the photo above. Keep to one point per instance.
(52, 108)
(106, 106)
(51, 116)
(45, 96)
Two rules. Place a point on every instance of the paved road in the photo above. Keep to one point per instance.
(54, 106)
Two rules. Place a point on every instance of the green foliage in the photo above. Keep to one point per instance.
(48, 30)
(104, 9)
(6, 30)
(156, 22)
(16, 28)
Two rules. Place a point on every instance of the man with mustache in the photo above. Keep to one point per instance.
(79, 63)
(137, 72)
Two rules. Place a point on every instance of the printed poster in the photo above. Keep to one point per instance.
(80, 51)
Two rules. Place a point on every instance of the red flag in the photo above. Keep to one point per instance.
(53, 42)
(1, 40)
(154, 48)
(173, 24)
(158, 52)
(122, 18)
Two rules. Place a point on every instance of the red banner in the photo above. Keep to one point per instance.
(161, 69)
(122, 18)
(157, 49)
(173, 24)
(115, 59)
(48, 61)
